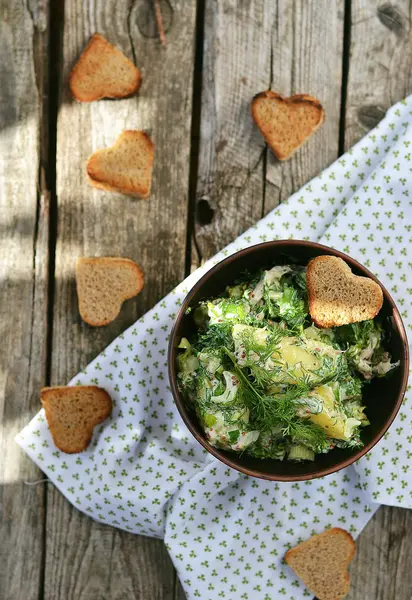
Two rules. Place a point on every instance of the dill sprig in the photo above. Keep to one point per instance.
(331, 369)
(268, 412)
(266, 367)
(263, 349)
(258, 354)
(216, 337)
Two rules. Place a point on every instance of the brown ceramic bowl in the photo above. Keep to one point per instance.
(383, 397)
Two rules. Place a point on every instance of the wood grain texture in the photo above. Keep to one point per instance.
(85, 560)
(292, 47)
(24, 214)
(307, 46)
(179, 591)
(380, 67)
(381, 569)
(230, 176)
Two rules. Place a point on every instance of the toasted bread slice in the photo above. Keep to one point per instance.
(73, 412)
(103, 284)
(102, 71)
(322, 563)
(337, 297)
(286, 123)
(126, 167)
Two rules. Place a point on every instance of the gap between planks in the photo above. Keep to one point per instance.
(195, 135)
(48, 179)
(49, 147)
(347, 24)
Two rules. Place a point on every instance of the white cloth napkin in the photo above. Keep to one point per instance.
(227, 533)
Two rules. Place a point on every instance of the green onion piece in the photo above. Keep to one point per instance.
(210, 420)
(184, 343)
(300, 453)
(189, 364)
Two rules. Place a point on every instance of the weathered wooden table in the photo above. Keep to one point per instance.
(213, 178)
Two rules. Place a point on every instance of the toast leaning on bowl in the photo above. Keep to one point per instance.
(337, 296)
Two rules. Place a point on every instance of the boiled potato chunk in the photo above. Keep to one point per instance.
(297, 358)
(293, 356)
(332, 421)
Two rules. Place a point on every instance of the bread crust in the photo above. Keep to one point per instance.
(374, 289)
(296, 98)
(105, 401)
(109, 261)
(344, 566)
(99, 178)
(98, 43)
(332, 531)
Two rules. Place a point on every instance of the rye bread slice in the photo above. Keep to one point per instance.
(286, 123)
(103, 71)
(322, 563)
(337, 296)
(125, 167)
(103, 284)
(73, 412)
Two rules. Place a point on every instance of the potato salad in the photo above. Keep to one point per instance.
(263, 380)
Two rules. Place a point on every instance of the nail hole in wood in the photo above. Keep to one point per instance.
(390, 16)
(204, 212)
(370, 115)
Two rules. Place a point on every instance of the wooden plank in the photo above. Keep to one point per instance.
(381, 568)
(236, 65)
(381, 63)
(104, 562)
(307, 57)
(379, 75)
(292, 47)
(307, 46)
(24, 225)
(179, 591)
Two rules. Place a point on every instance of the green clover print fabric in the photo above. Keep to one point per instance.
(227, 533)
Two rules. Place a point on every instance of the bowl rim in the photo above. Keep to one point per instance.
(180, 403)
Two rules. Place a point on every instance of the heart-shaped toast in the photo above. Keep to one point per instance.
(337, 296)
(126, 167)
(286, 123)
(103, 71)
(103, 284)
(322, 563)
(73, 412)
